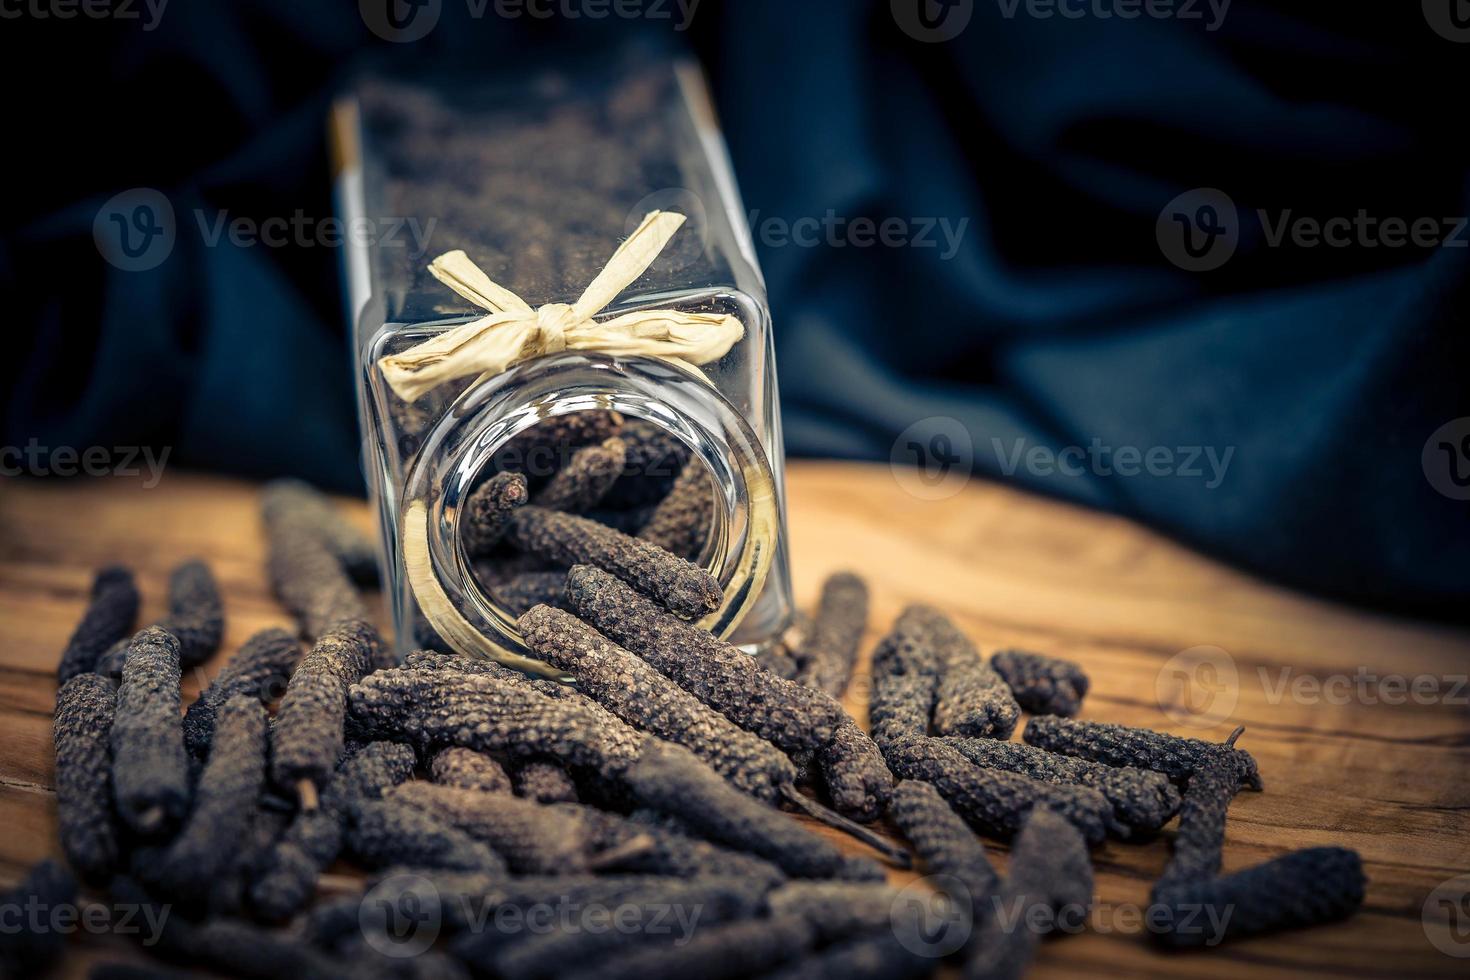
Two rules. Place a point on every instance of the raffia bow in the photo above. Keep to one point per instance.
(514, 332)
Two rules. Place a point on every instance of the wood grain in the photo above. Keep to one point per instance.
(1341, 766)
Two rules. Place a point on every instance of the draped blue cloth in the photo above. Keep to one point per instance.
(1279, 410)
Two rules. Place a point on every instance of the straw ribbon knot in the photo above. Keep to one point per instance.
(514, 331)
(554, 319)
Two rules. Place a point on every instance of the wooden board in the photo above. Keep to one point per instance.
(1341, 765)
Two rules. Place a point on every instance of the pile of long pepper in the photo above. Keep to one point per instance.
(660, 779)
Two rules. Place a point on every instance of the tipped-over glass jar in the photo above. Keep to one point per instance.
(651, 409)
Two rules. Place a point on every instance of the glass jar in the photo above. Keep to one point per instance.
(538, 180)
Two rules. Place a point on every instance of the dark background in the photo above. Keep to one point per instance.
(1059, 321)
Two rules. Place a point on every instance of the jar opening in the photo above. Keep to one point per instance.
(609, 439)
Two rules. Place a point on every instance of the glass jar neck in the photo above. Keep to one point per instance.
(457, 453)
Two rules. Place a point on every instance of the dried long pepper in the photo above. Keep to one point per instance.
(370, 771)
(857, 778)
(469, 769)
(462, 895)
(539, 449)
(1302, 888)
(565, 539)
(945, 844)
(905, 676)
(110, 663)
(543, 781)
(196, 617)
(227, 945)
(196, 614)
(240, 949)
(305, 574)
(150, 769)
(629, 521)
(655, 458)
(1049, 869)
(520, 592)
(971, 699)
(289, 871)
(775, 658)
(308, 737)
(860, 768)
(878, 955)
(387, 832)
(994, 801)
(728, 950)
(132, 901)
(335, 919)
(487, 512)
(670, 778)
(572, 429)
(532, 838)
(645, 920)
(223, 801)
(354, 550)
(81, 730)
(491, 713)
(1201, 837)
(830, 651)
(1050, 859)
(578, 486)
(259, 669)
(268, 825)
(795, 718)
(1042, 685)
(681, 520)
(1142, 799)
(664, 849)
(376, 957)
(852, 867)
(644, 698)
(435, 660)
(112, 606)
(835, 909)
(899, 707)
(28, 952)
(1119, 745)
(796, 634)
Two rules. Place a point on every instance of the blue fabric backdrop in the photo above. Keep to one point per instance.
(1302, 382)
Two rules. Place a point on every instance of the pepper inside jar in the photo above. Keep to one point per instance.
(601, 487)
(624, 474)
